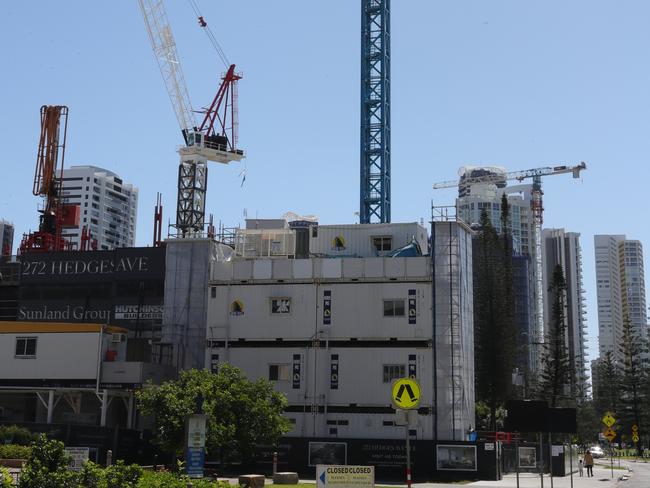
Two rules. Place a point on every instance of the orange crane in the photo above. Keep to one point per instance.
(55, 214)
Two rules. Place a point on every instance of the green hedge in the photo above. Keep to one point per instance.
(13, 434)
(14, 451)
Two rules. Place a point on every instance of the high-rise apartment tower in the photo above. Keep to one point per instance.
(108, 206)
(563, 248)
(620, 291)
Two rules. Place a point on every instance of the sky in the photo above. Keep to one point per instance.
(510, 83)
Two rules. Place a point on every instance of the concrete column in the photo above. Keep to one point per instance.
(129, 414)
(102, 422)
(50, 406)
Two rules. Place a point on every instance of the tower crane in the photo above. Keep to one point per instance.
(215, 139)
(375, 112)
(55, 214)
(537, 211)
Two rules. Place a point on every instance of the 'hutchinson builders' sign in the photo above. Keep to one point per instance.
(333, 476)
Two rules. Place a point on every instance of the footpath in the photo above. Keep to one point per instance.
(602, 478)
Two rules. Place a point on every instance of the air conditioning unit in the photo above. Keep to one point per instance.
(116, 338)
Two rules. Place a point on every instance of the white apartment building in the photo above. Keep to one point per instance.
(334, 329)
(108, 206)
(563, 248)
(620, 291)
(6, 237)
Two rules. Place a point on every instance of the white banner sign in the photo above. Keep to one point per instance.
(78, 455)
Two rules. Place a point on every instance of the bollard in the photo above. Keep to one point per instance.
(109, 457)
(275, 462)
(155, 462)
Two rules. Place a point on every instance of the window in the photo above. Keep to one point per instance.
(279, 372)
(213, 292)
(394, 372)
(382, 243)
(280, 306)
(393, 308)
(26, 347)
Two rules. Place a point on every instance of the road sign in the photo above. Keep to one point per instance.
(609, 434)
(635, 428)
(609, 419)
(406, 393)
(635, 438)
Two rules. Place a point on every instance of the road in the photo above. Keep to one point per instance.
(640, 476)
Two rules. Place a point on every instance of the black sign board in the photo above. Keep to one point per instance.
(295, 384)
(129, 263)
(412, 307)
(536, 416)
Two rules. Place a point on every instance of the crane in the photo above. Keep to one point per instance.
(47, 184)
(499, 178)
(215, 139)
(375, 112)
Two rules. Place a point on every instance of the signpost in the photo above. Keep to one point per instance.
(405, 395)
(78, 456)
(195, 446)
(610, 434)
(332, 476)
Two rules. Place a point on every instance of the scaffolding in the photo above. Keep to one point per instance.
(453, 332)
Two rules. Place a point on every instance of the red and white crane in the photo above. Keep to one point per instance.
(215, 139)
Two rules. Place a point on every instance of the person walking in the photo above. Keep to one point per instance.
(589, 463)
(580, 467)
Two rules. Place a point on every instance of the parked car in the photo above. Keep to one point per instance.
(596, 452)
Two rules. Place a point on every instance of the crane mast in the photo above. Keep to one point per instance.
(537, 212)
(375, 112)
(215, 140)
(55, 214)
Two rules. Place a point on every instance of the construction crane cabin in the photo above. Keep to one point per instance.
(215, 139)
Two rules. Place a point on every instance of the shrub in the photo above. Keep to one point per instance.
(120, 475)
(92, 476)
(5, 478)
(47, 466)
(14, 451)
(171, 480)
(13, 434)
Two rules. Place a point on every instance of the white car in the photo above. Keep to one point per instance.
(596, 452)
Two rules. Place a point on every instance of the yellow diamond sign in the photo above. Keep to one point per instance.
(609, 419)
(405, 393)
(609, 434)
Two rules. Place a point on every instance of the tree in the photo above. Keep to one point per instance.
(494, 338)
(241, 413)
(607, 388)
(557, 372)
(47, 466)
(632, 398)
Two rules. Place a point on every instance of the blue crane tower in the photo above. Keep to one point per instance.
(375, 112)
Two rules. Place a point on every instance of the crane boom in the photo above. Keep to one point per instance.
(164, 48)
(514, 175)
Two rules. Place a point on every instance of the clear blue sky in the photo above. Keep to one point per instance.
(519, 84)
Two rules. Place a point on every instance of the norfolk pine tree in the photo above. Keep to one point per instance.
(633, 402)
(493, 319)
(557, 371)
